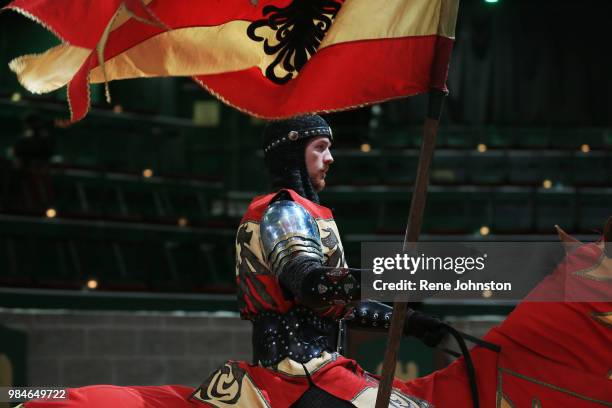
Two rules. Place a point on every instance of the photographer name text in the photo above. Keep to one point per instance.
(425, 285)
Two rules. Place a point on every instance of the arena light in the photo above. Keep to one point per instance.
(484, 230)
(16, 97)
(547, 184)
(491, 1)
(182, 222)
(365, 147)
(92, 284)
(481, 147)
(51, 213)
(585, 148)
(147, 173)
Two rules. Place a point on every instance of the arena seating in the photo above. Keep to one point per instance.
(149, 203)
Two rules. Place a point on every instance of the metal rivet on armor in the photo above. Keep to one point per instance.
(293, 135)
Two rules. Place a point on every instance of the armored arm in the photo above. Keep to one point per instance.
(372, 315)
(292, 247)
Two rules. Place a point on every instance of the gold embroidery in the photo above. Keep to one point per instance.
(292, 368)
(503, 401)
(601, 271)
(230, 386)
(604, 318)
(554, 387)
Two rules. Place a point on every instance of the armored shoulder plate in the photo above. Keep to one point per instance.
(287, 231)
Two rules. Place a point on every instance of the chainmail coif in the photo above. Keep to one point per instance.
(286, 162)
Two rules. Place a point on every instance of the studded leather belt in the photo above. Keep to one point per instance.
(299, 334)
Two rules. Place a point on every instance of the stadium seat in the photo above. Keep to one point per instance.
(457, 210)
(555, 207)
(512, 210)
(523, 168)
(450, 167)
(592, 169)
(496, 138)
(531, 138)
(399, 167)
(487, 168)
(457, 138)
(594, 208)
(553, 166)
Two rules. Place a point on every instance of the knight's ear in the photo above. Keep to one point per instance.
(607, 238)
(569, 243)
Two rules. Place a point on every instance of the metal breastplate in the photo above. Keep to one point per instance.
(298, 334)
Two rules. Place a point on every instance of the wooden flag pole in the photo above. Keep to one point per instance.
(413, 230)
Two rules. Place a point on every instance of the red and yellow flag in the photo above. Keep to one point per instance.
(269, 58)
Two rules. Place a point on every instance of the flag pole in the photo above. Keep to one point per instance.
(413, 230)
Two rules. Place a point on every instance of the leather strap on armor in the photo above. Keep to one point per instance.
(373, 315)
(319, 286)
(370, 315)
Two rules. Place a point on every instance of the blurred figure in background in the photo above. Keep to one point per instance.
(31, 154)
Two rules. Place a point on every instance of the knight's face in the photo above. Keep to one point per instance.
(318, 159)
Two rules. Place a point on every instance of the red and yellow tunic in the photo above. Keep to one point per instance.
(258, 288)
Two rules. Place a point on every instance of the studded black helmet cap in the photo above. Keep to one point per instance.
(284, 144)
(288, 132)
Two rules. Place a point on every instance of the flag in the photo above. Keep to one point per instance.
(268, 58)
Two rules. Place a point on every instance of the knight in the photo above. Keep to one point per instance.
(295, 287)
